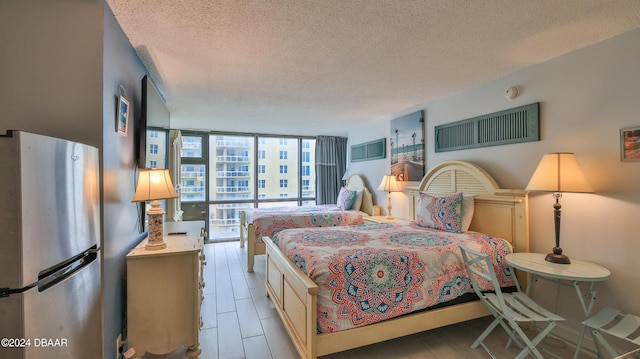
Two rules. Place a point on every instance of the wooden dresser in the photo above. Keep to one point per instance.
(164, 292)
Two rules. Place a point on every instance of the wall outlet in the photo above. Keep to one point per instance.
(119, 347)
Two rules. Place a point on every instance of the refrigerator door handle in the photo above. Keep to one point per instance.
(5, 292)
(52, 277)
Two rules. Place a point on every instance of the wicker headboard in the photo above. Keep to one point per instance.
(497, 212)
(356, 183)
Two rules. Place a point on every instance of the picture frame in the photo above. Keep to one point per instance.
(630, 144)
(122, 122)
(408, 147)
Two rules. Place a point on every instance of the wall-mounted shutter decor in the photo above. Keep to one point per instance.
(520, 124)
(369, 150)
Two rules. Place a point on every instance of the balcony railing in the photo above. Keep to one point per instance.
(191, 189)
(192, 174)
(232, 143)
(192, 145)
(225, 222)
(234, 159)
(233, 205)
(224, 174)
(232, 189)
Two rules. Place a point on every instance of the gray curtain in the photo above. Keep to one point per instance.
(331, 163)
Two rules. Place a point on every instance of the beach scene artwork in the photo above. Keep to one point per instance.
(407, 147)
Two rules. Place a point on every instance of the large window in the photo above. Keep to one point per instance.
(229, 173)
(308, 170)
(282, 167)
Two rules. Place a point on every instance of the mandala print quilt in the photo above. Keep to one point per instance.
(373, 272)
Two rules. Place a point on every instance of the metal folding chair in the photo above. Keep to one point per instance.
(509, 309)
(612, 322)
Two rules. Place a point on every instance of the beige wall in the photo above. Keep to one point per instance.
(585, 98)
(51, 70)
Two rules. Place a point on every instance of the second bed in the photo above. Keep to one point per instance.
(256, 223)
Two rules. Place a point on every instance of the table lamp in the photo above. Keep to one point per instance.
(389, 184)
(154, 184)
(345, 177)
(558, 172)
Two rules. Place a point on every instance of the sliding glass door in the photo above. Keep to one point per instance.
(231, 160)
(193, 176)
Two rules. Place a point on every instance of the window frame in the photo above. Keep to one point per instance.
(258, 171)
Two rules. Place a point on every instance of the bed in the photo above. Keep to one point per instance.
(497, 212)
(256, 223)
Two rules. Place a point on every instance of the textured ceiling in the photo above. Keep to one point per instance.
(310, 67)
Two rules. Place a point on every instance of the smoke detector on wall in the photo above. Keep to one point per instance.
(511, 93)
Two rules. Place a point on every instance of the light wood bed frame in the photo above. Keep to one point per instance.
(498, 212)
(247, 230)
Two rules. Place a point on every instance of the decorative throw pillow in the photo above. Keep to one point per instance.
(468, 205)
(346, 198)
(357, 203)
(440, 212)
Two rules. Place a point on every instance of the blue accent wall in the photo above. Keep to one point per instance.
(122, 74)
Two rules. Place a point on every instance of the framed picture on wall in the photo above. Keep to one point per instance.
(407, 147)
(630, 144)
(123, 116)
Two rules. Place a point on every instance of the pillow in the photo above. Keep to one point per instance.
(468, 204)
(346, 198)
(440, 212)
(358, 201)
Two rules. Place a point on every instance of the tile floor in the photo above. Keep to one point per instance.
(241, 322)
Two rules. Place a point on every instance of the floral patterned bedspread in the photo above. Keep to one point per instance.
(269, 221)
(369, 273)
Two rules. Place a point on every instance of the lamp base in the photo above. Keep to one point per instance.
(557, 257)
(155, 240)
(389, 215)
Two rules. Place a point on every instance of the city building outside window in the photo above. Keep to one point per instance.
(229, 173)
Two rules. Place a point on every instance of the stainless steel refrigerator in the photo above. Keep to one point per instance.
(50, 281)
